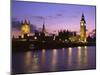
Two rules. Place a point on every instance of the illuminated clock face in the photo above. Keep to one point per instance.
(25, 29)
(82, 24)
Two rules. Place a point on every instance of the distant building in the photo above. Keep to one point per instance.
(44, 32)
(83, 29)
(25, 29)
(43, 29)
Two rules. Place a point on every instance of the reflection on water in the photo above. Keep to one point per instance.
(35, 66)
(54, 57)
(31, 62)
(82, 57)
(43, 56)
(69, 56)
(54, 60)
(28, 60)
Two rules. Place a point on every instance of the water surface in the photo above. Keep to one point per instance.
(64, 59)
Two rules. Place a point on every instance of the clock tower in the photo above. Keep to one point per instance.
(83, 29)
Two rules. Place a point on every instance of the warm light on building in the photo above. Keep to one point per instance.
(54, 38)
(35, 37)
(22, 36)
(25, 29)
(82, 29)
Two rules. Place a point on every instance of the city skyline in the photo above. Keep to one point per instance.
(51, 37)
(56, 16)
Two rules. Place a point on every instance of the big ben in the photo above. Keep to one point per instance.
(25, 29)
(83, 29)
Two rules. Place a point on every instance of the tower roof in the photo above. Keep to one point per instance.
(25, 22)
(83, 18)
(43, 29)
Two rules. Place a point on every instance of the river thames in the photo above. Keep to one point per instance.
(52, 60)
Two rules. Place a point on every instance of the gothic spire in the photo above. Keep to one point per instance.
(83, 18)
(25, 22)
(43, 29)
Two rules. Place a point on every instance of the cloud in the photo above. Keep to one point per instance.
(37, 17)
(46, 17)
(59, 15)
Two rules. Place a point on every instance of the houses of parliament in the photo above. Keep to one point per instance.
(26, 30)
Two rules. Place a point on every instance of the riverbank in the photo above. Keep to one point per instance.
(37, 45)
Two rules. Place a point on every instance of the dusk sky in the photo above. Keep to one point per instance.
(56, 16)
